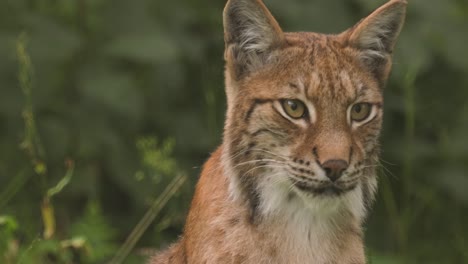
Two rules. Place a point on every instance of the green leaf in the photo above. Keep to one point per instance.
(96, 233)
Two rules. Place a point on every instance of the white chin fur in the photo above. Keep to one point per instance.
(310, 225)
(275, 190)
(275, 187)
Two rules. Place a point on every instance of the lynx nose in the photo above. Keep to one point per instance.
(334, 168)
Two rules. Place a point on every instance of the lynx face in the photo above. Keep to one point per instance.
(305, 109)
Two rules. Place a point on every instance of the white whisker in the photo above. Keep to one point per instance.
(271, 153)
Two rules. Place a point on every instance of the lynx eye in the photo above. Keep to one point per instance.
(294, 108)
(361, 111)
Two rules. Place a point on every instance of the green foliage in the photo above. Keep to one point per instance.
(8, 226)
(94, 234)
(99, 84)
(156, 159)
(45, 251)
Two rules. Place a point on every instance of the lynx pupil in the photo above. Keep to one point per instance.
(357, 109)
(360, 111)
(293, 105)
(294, 108)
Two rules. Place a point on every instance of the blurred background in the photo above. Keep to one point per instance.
(108, 109)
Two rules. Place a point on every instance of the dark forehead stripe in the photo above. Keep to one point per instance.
(255, 103)
(361, 91)
(338, 77)
(327, 62)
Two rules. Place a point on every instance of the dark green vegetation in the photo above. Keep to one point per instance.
(104, 103)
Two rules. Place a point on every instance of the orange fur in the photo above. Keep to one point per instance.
(267, 194)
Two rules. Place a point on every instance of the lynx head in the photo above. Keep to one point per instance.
(305, 109)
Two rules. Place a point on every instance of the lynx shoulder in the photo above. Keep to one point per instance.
(295, 174)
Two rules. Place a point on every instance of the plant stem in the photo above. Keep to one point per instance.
(147, 219)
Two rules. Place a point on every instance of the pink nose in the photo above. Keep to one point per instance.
(334, 168)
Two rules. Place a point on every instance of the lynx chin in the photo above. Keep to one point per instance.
(295, 174)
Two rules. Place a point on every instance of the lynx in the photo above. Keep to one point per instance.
(295, 174)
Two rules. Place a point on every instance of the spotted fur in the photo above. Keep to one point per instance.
(264, 196)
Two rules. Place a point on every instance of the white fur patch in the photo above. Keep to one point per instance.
(311, 224)
(234, 185)
(344, 76)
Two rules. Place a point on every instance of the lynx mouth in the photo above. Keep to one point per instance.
(326, 190)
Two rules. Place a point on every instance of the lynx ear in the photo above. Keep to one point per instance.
(250, 34)
(376, 35)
